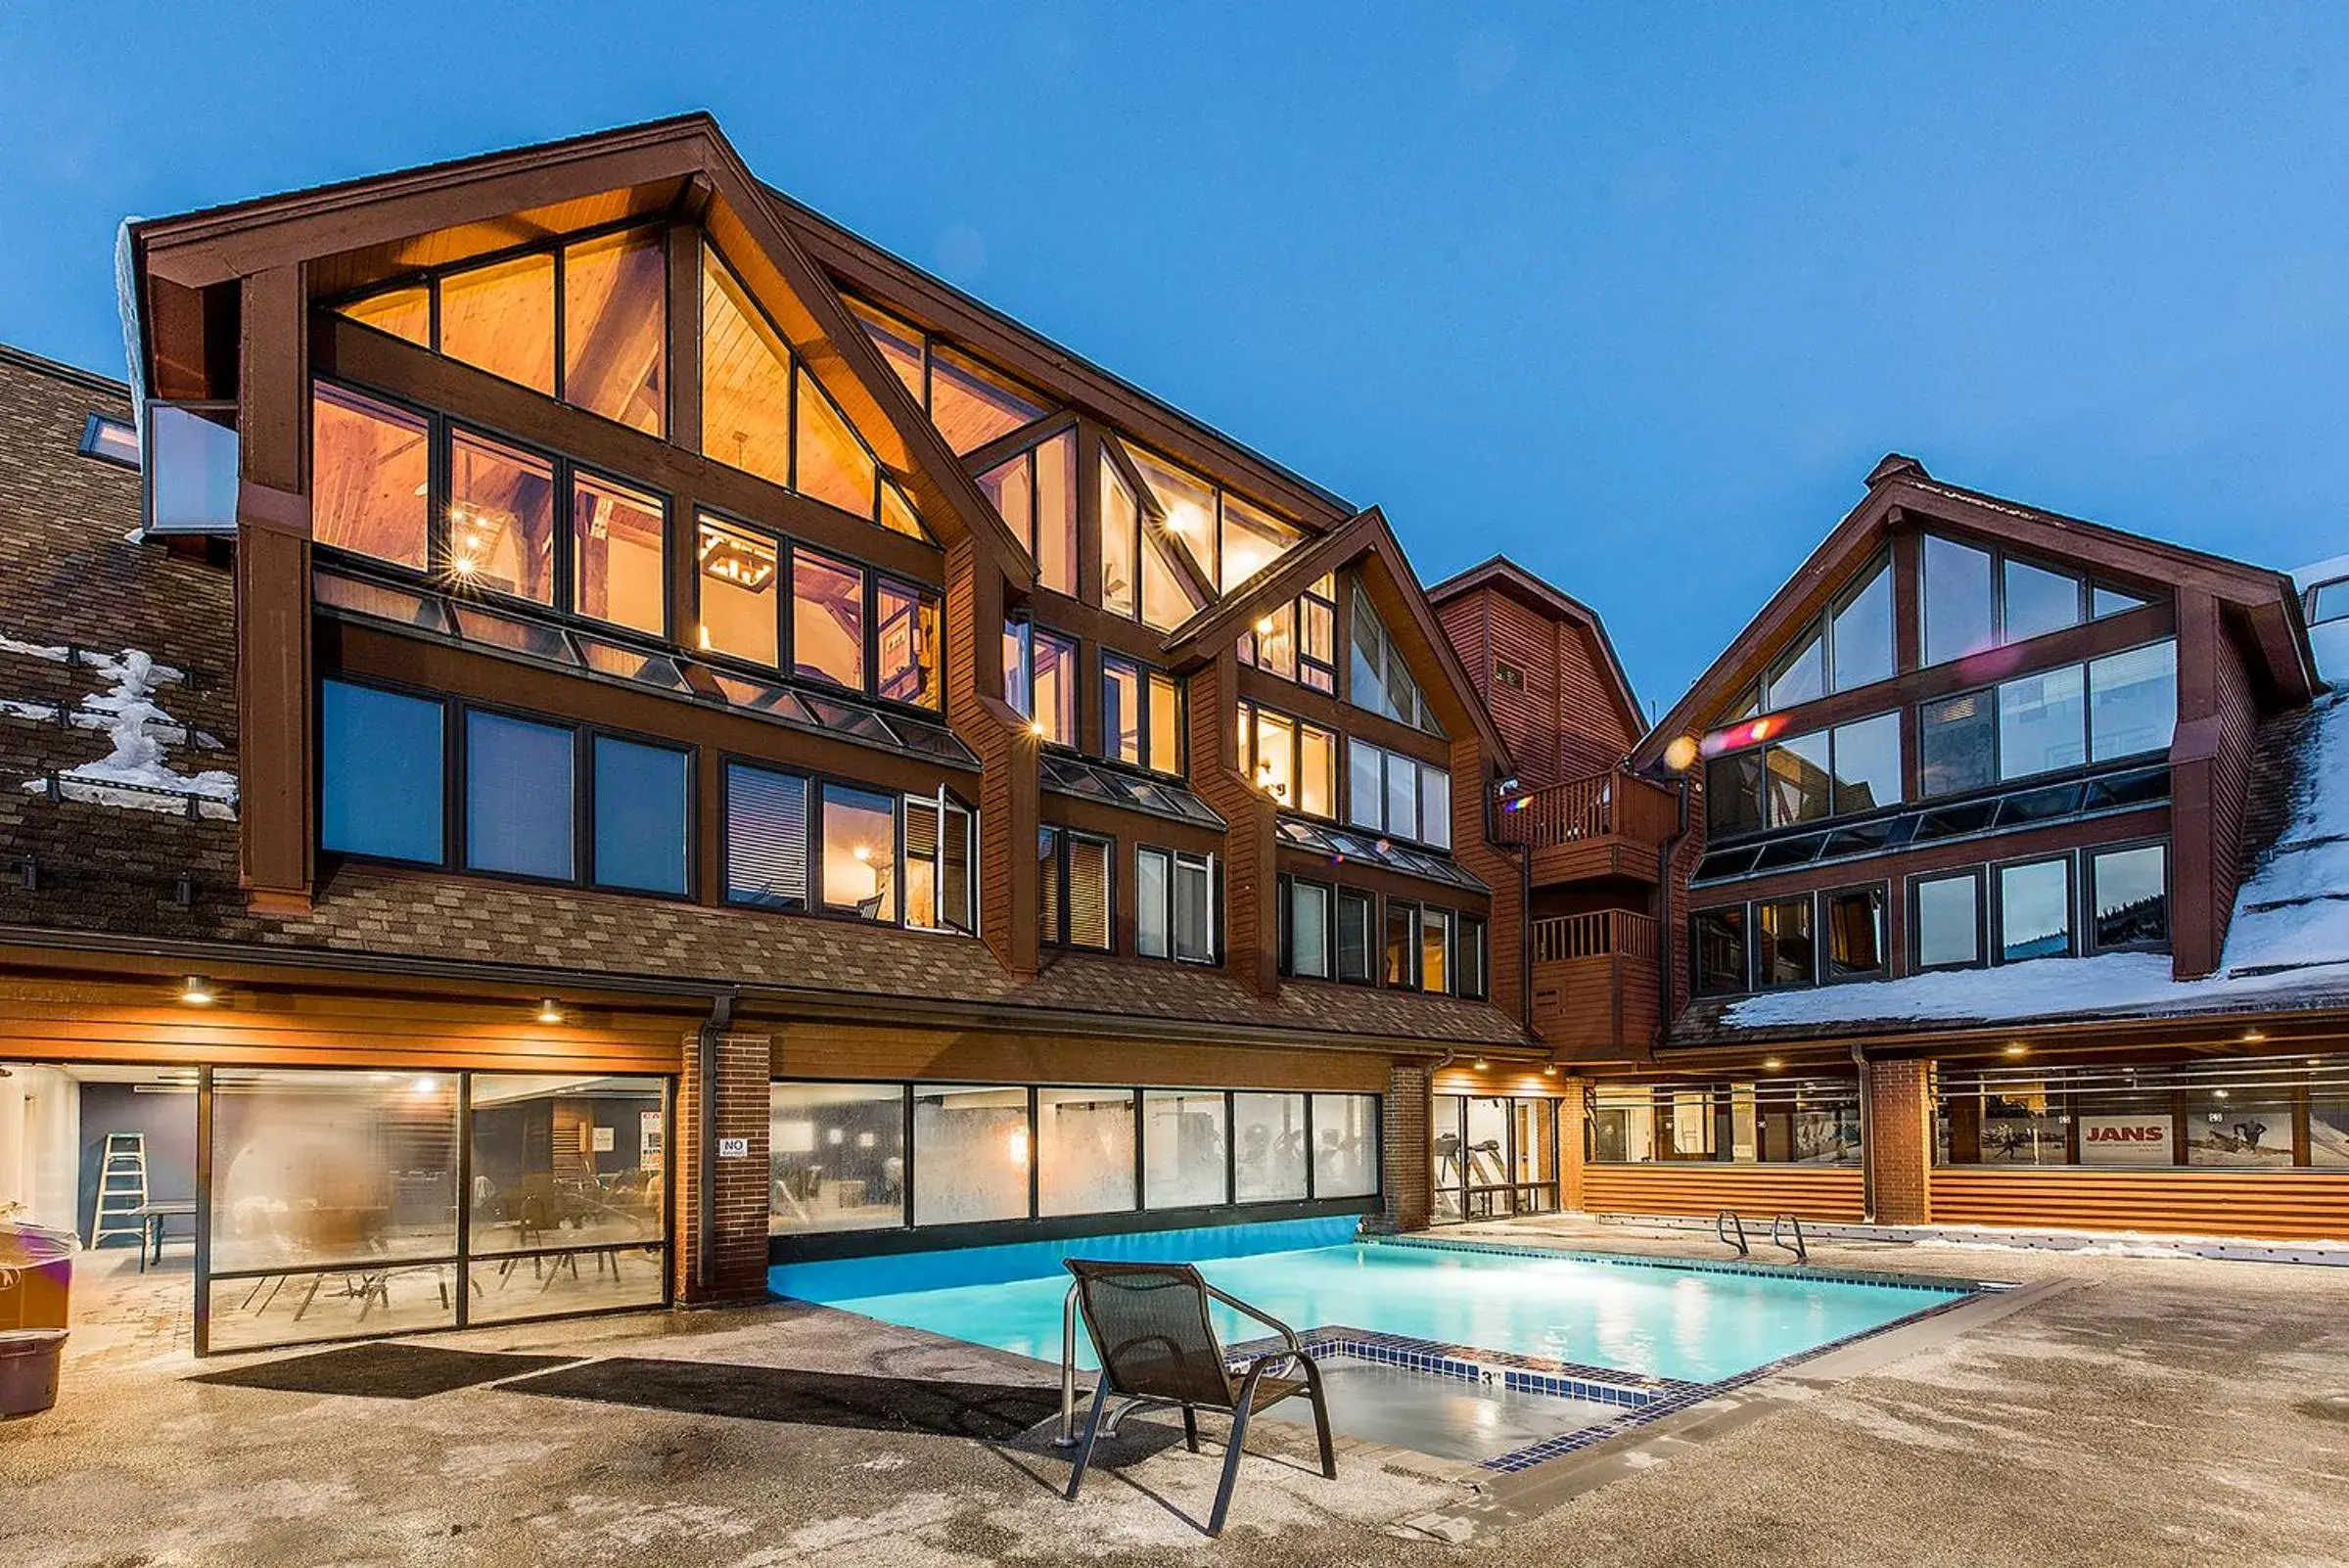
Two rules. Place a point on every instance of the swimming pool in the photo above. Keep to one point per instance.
(1693, 1324)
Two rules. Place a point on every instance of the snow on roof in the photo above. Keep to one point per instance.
(2289, 933)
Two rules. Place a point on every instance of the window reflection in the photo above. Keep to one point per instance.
(564, 1162)
(836, 1155)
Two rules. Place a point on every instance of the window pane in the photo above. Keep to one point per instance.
(501, 519)
(1721, 950)
(1402, 944)
(1010, 488)
(1165, 724)
(972, 405)
(1121, 710)
(737, 582)
(562, 1162)
(501, 318)
(1019, 693)
(1056, 513)
(766, 838)
(620, 544)
(1487, 1156)
(615, 326)
(1309, 930)
(1800, 786)
(1195, 935)
(1785, 954)
(1949, 921)
(1275, 642)
(643, 802)
(1184, 1149)
(1355, 940)
(327, 1172)
(970, 1154)
(2331, 601)
(1089, 891)
(1119, 524)
(403, 312)
(1733, 794)
(1863, 632)
(1956, 600)
(746, 380)
(1469, 957)
(1365, 785)
(2039, 601)
(957, 857)
(861, 853)
(1344, 1146)
(1047, 895)
(1867, 764)
(1956, 745)
(830, 463)
(1799, 675)
(1188, 503)
(380, 774)
(907, 638)
(1056, 678)
(827, 619)
(1275, 744)
(921, 861)
(1435, 806)
(1268, 1136)
(2133, 701)
(1151, 870)
(1167, 598)
(518, 795)
(370, 467)
(1435, 949)
(2131, 896)
(1316, 770)
(1253, 540)
(2039, 724)
(1854, 933)
(2245, 1126)
(900, 343)
(1085, 1150)
(1365, 676)
(835, 1157)
(1447, 1171)
(2035, 911)
(1402, 796)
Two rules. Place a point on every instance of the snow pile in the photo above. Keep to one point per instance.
(136, 774)
(2112, 982)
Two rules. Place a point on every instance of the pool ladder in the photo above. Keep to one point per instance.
(1731, 1231)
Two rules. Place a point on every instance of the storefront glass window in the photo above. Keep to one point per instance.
(1269, 1162)
(971, 1154)
(1344, 1146)
(1084, 1149)
(835, 1157)
(1184, 1149)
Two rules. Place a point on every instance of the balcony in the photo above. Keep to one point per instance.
(1595, 983)
(1605, 826)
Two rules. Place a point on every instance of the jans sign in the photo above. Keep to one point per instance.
(2125, 1140)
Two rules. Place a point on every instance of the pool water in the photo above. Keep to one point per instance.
(1697, 1325)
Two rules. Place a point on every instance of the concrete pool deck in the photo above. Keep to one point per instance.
(2127, 1411)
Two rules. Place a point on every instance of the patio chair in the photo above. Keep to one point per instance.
(1150, 1331)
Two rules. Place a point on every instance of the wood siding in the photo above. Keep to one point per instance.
(809, 1050)
(1706, 1187)
(2268, 1205)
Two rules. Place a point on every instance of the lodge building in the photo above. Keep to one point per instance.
(576, 734)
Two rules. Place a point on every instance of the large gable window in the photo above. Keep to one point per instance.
(1976, 598)
(1298, 641)
(846, 626)
(970, 403)
(371, 468)
(1035, 493)
(1379, 677)
(2122, 705)
(1848, 647)
(1230, 540)
(1140, 577)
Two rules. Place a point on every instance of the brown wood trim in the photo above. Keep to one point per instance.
(1708, 1186)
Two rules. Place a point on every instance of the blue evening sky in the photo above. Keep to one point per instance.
(1634, 293)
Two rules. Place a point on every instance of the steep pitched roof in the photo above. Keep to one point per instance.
(1504, 576)
(1899, 489)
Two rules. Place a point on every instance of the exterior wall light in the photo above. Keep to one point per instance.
(197, 991)
(550, 1011)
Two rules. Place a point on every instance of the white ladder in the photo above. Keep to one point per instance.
(121, 1190)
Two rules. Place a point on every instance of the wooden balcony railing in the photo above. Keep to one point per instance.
(1595, 807)
(1595, 983)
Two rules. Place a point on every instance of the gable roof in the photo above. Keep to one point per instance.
(1366, 535)
(1899, 491)
(495, 200)
(1503, 575)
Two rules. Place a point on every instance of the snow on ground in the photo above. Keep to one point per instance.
(136, 774)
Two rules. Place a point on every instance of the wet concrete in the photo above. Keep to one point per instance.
(2155, 1412)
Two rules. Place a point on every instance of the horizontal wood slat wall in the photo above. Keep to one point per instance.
(1706, 1187)
(812, 1050)
(2273, 1205)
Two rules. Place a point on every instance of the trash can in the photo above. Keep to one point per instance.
(28, 1362)
(36, 1275)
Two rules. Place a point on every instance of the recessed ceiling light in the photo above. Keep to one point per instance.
(197, 991)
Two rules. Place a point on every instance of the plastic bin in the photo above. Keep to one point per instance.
(36, 1276)
(28, 1365)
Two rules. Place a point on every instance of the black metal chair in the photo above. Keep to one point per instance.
(1151, 1334)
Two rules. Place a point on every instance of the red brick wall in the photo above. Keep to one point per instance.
(1900, 1142)
(738, 1244)
(1403, 1156)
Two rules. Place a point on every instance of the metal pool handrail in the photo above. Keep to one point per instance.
(1068, 1356)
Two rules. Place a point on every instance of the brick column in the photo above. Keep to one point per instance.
(738, 1244)
(1403, 1150)
(1574, 1141)
(1900, 1142)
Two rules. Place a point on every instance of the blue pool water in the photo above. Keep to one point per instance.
(1698, 1326)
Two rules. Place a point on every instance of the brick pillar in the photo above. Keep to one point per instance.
(1403, 1154)
(738, 1244)
(1900, 1142)
(1574, 1141)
